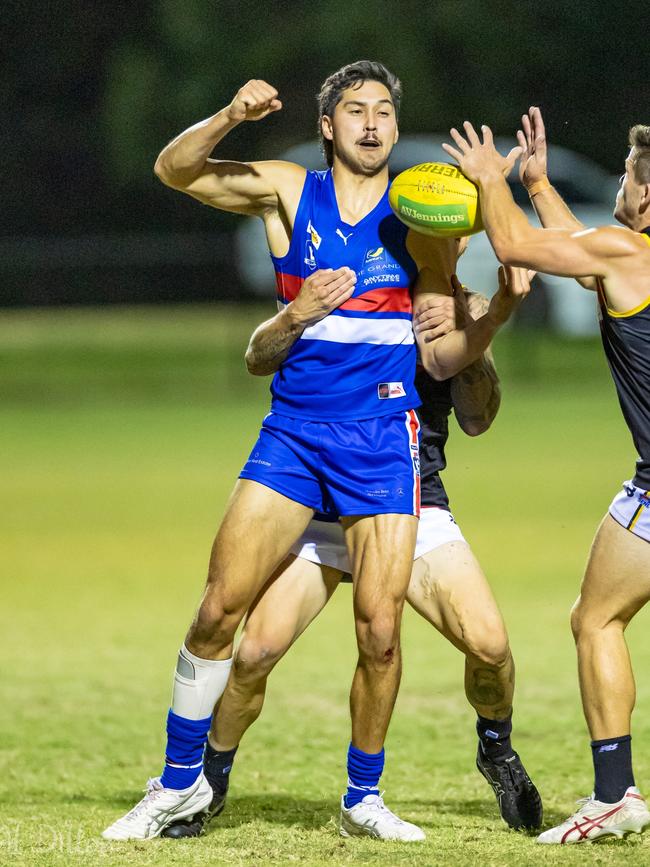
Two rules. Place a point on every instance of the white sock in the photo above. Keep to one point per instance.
(198, 684)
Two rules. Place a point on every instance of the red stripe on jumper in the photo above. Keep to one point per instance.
(384, 299)
(288, 286)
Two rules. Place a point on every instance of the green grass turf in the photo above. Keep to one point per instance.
(121, 434)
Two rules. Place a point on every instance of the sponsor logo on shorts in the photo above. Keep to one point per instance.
(388, 390)
(378, 492)
(257, 460)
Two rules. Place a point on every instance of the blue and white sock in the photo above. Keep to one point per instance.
(198, 685)
(184, 754)
(364, 771)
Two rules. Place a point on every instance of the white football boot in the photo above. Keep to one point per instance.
(372, 818)
(158, 808)
(596, 819)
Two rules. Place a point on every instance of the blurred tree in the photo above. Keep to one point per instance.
(92, 91)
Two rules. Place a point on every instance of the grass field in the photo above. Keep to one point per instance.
(121, 434)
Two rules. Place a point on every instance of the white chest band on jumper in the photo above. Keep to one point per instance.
(198, 684)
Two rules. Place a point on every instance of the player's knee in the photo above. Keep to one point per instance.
(490, 647)
(590, 621)
(378, 637)
(216, 623)
(256, 657)
(483, 636)
(576, 618)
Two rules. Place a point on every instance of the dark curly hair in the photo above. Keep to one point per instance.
(354, 74)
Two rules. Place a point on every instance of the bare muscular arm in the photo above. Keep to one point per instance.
(245, 188)
(551, 209)
(475, 391)
(610, 252)
(271, 342)
(445, 356)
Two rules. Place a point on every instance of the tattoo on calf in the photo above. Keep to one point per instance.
(485, 687)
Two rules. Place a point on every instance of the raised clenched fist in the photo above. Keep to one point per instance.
(254, 101)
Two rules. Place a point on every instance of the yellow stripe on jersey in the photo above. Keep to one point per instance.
(632, 312)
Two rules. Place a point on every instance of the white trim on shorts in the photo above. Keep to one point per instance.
(324, 543)
(631, 509)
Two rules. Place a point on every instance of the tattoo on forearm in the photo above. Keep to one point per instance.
(268, 348)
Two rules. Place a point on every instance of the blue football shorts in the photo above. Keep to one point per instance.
(369, 467)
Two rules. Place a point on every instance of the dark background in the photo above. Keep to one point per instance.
(92, 91)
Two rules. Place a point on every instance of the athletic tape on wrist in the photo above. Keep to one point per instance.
(539, 187)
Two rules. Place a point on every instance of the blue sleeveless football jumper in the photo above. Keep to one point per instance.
(358, 362)
(342, 437)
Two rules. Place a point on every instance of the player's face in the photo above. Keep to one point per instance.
(630, 195)
(363, 128)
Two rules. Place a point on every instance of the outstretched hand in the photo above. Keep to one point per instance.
(532, 140)
(478, 159)
(514, 285)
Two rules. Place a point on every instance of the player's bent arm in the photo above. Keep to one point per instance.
(271, 342)
(591, 252)
(247, 188)
(243, 188)
(444, 357)
(554, 213)
(550, 207)
(475, 391)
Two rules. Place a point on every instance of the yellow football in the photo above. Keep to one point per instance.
(436, 199)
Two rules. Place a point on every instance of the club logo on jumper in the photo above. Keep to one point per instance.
(343, 237)
(374, 256)
(310, 256)
(314, 237)
(629, 490)
(387, 390)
